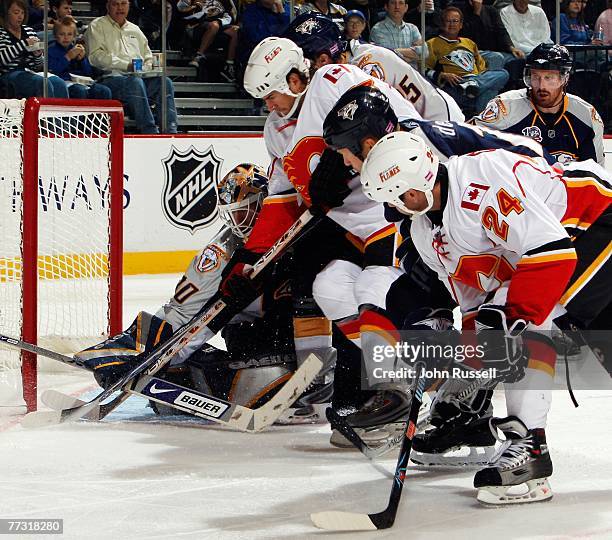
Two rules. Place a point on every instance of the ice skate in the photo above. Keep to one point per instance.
(521, 473)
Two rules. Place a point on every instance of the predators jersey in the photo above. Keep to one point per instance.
(502, 223)
(358, 215)
(459, 56)
(430, 102)
(447, 139)
(575, 133)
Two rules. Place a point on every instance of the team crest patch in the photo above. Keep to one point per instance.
(532, 132)
(189, 197)
(462, 58)
(211, 258)
(307, 27)
(473, 195)
(373, 69)
(348, 111)
(492, 112)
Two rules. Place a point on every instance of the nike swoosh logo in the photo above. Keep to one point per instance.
(155, 390)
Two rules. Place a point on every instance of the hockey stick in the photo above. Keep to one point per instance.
(352, 521)
(339, 422)
(41, 351)
(207, 321)
(211, 407)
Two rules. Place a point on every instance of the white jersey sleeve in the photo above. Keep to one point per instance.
(277, 134)
(384, 64)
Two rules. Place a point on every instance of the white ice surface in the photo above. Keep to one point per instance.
(132, 477)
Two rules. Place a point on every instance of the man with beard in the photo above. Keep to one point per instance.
(566, 125)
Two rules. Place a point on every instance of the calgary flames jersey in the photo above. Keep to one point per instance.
(358, 215)
(502, 223)
(430, 102)
(574, 133)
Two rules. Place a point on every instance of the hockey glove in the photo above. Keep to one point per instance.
(328, 184)
(502, 343)
(238, 289)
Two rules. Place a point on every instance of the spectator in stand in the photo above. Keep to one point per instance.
(483, 25)
(18, 65)
(114, 44)
(150, 20)
(36, 15)
(501, 4)
(208, 18)
(604, 24)
(335, 12)
(526, 24)
(59, 9)
(433, 9)
(574, 31)
(393, 33)
(354, 25)
(455, 64)
(68, 58)
(261, 19)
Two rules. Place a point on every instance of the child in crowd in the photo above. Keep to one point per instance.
(67, 58)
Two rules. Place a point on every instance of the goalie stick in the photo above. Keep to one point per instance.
(207, 321)
(352, 521)
(211, 407)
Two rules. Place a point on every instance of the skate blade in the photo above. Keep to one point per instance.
(372, 437)
(462, 456)
(536, 490)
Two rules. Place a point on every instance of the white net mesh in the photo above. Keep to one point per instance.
(73, 233)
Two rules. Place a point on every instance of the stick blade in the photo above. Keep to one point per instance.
(342, 521)
(58, 401)
(38, 419)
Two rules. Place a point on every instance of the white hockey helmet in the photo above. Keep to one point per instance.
(397, 163)
(270, 63)
(241, 194)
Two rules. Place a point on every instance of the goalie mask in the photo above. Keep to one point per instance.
(241, 193)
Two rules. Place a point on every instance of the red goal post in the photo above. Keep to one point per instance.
(61, 213)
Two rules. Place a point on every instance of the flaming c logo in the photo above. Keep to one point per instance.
(298, 164)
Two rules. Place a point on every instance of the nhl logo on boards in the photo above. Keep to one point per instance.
(189, 198)
(348, 111)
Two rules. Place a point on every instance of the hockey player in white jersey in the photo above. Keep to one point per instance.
(566, 125)
(322, 43)
(493, 226)
(321, 180)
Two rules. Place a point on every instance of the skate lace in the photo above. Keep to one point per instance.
(516, 454)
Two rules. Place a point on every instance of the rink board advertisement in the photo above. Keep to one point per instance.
(170, 195)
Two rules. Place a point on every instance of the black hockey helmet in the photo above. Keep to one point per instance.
(315, 33)
(549, 57)
(362, 111)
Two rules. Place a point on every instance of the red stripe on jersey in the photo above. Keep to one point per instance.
(288, 124)
(587, 199)
(349, 327)
(374, 321)
(535, 288)
(273, 220)
(542, 355)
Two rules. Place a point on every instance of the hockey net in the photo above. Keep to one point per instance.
(61, 204)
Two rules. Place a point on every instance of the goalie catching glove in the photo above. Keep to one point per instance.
(328, 184)
(502, 343)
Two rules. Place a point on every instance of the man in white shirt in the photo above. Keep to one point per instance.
(119, 48)
(526, 24)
